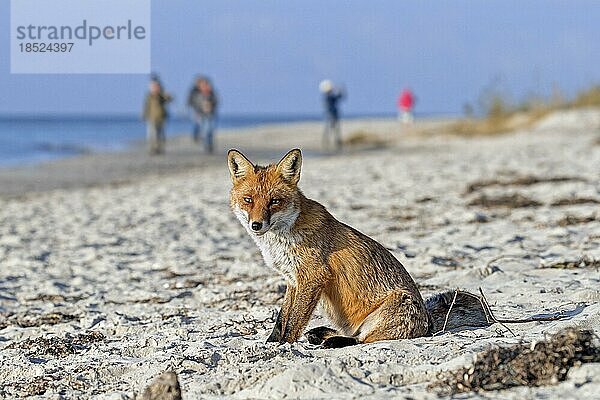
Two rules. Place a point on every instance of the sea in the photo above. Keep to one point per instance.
(26, 140)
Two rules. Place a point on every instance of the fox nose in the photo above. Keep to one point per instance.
(256, 226)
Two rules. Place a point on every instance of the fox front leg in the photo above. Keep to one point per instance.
(306, 300)
(282, 315)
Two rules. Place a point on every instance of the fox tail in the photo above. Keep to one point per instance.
(456, 309)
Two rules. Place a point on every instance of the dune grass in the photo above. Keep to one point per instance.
(501, 116)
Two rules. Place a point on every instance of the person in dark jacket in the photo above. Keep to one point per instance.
(155, 114)
(203, 102)
(331, 98)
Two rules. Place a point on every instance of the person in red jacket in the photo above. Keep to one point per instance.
(406, 103)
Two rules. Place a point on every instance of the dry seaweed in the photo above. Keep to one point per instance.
(57, 298)
(28, 321)
(581, 262)
(425, 199)
(572, 201)
(39, 385)
(515, 200)
(536, 364)
(35, 387)
(5, 318)
(526, 180)
(56, 346)
(568, 220)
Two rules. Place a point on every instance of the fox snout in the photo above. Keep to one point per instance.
(259, 227)
(257, 224)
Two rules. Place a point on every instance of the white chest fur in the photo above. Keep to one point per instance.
(277, 249)
(277, 244)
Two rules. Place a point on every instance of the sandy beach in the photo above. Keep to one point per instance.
(117, 267)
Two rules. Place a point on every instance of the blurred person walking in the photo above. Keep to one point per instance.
(331, 99)
(406, 103)
(203, 102)
(155, 114)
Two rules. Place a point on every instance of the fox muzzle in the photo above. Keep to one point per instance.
(259, 227)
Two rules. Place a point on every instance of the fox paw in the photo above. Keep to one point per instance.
(318, 335)
(335, 342)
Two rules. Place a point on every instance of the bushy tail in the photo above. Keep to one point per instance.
(467, 310)
(457, 309)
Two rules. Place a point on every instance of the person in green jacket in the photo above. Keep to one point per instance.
(155, 115)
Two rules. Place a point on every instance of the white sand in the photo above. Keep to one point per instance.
(163, 270)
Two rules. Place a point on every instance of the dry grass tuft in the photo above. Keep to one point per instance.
(587, 98)
(502, 115)
(485, 126)
(498, 122)
(363, 138)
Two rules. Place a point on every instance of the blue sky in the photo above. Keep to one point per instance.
(268, 56)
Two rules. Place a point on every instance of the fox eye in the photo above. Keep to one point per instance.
(274, 202)
(248, 200)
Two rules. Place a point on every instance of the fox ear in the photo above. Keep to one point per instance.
(239, 165)
(289, 166)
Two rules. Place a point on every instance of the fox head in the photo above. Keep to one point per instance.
(265, 198)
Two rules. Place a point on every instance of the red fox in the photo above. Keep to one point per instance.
(363, 288)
